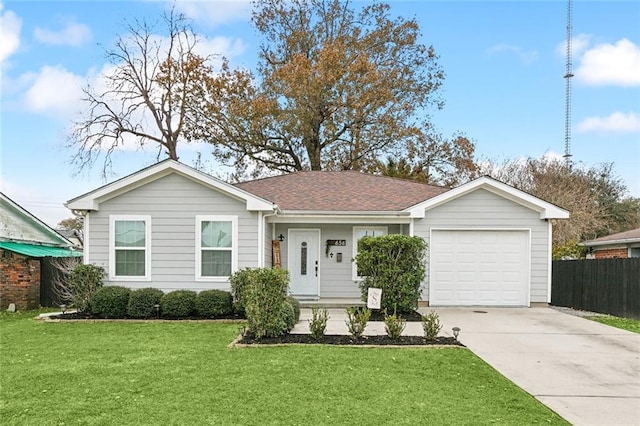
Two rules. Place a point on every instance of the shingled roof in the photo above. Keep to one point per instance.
(345, 191)
(631, 236)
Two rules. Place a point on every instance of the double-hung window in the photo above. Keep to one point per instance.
(130, 248)
(364, 231)
(216, 247)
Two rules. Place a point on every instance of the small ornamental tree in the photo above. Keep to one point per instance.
(396, 264)
(84, 281)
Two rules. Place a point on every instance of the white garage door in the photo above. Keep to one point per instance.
(483, 268)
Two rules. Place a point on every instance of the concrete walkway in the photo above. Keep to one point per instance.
(587, 372)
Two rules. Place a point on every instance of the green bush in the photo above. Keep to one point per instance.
(142, 302)
(178, 304)
(394, 325)
(431, 325)
(239, 283)
(296, 307)
(84, 281)
(265, 301)
(318, 322)
(396, 264)
(289, 316)
(357, 318)
(214, 304)
(110, 302)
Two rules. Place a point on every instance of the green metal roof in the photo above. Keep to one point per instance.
(33, 250)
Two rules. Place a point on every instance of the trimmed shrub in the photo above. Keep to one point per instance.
(142, 302)
(394, 325)
(431, 325)
(296, 307)
(266, 306)
(110, 302)
(396, 264)
(239, 283)
(289, 316)
(214, 304)
(84, 281)
(357, 319)
(178, 304)
(318, 322)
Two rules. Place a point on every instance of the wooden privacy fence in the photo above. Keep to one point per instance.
(609, 286)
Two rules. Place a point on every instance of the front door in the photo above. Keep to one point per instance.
(303, 260)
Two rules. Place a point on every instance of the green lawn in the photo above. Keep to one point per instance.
(181, 373)
(623, 323)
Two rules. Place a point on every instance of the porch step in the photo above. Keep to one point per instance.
(330, 303)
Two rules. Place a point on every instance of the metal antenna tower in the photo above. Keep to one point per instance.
(567, 76)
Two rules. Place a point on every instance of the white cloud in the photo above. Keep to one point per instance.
(73, 34)
(614, 64)
(526, 57)
(215, 13)
(616, 122)
(579, 44)
(221, 46)
(55, 91)
(10, 26)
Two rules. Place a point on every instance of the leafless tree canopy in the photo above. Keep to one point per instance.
(142, 97)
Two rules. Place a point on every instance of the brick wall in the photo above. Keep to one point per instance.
(619, 253)
(19, 281)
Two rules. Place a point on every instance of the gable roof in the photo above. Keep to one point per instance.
(626, 237)
(340, 191)
(92, 200)
(546, 210)
(18, 225)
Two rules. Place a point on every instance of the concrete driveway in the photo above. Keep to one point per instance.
(587, 372)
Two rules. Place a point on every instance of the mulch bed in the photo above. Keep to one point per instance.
(248, 339)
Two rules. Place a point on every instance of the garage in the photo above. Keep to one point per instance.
(479, 268)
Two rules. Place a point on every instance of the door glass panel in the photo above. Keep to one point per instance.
(303, 258)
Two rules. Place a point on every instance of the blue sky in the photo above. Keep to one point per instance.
(504, 63)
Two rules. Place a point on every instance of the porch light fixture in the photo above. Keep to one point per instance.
(63, 308)
(456, 332)
(157, 307)
(281, 238)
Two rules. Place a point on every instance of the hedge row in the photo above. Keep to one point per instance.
(121, 302)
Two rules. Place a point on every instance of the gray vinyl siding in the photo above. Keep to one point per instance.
(335, 277)
(173, 202)
(268, 238)
(483, 209)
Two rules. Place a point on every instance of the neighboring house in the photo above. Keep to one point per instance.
(172, 227)
(72, 235)
(621, 245)
(26, 246)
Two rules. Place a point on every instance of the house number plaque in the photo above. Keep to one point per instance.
(336, 242)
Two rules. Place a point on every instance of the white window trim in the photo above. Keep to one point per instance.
(234, 245)
(354, 269)
(112, 247)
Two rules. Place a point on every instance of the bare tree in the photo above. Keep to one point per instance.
(145, 95)
(62, 291)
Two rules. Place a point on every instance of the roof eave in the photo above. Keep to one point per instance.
(609, 242)
(546, 209)
(92, 200)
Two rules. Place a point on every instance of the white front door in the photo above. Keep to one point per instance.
(304, 261)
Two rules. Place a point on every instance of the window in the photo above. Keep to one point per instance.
(129, 242)
(216, 242)
(364, 231)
